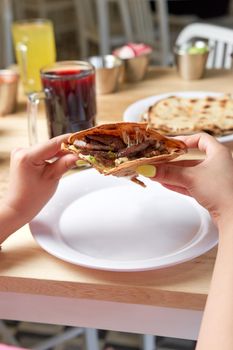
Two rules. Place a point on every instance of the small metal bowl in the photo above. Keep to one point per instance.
(136, 67)
(191, 66)
(8, 91)
(108, 73)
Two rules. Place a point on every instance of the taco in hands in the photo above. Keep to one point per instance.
(118, 149)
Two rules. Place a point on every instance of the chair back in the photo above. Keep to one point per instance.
(219, 38)
(137, 20)
(142, 25)
(137, 23)
(86, 13)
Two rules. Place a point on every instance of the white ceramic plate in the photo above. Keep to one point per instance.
(110, 223)
(134, 111)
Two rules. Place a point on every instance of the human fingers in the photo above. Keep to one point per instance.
(167, 173)
(178, 189)
(174, 175)
(203, 141)
(61, 166)
(39, 153)
(186, 162)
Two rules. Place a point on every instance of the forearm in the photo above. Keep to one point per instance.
(10, 221)
(217, 324)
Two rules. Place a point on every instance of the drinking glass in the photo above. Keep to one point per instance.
(34, 45)
(70, 99)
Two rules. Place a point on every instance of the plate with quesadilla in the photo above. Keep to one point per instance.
(110, 223)
(179, 113)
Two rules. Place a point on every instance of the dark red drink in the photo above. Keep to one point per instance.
(70, 97)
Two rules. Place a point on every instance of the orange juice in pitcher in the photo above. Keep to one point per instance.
(34, 44)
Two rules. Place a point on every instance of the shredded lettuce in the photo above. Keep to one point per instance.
(89, 158)
(111, 154)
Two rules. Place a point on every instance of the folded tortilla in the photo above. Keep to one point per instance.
(118, 149)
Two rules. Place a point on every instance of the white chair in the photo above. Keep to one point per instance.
(141, 24)
(6, 15)
(99, 24)
(219, 38)
(91, 338)
(6, 335)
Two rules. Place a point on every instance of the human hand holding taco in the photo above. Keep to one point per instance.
(118, 149)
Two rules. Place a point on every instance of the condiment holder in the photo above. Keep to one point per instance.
(136, 58)
(109, 70)
(191, 58)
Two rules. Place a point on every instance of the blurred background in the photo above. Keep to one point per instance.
(87, 27)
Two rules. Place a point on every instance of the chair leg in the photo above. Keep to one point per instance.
(7, 335)
(80, 35)
(164, 32)
(149, 342)
(92, 342)
(103, 23)
(59, 338)
(6, 18)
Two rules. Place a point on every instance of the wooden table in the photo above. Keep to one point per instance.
(35, 286)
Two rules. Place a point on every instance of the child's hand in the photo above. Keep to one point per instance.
(33, 180)
(209, 181)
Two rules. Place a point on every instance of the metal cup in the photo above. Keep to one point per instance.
(190, 66)
(8, 91)
(108, 73)
(136, 67)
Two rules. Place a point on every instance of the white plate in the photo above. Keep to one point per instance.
(134, 112)
(110, 223)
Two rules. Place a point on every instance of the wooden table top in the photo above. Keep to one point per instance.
(27, 268)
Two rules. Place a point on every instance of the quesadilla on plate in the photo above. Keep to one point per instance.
(118, 149)
(175, 115)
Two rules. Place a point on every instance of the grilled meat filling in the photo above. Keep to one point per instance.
(111, 151)
(114, 142)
